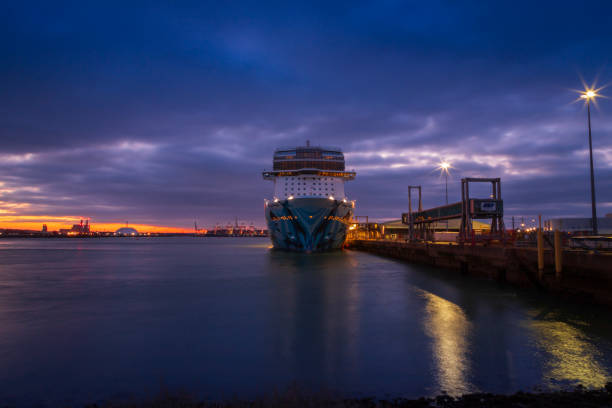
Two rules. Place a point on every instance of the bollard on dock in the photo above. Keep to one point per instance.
(540, 236)
(558, 255)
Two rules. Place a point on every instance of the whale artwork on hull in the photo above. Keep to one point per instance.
(309, 211)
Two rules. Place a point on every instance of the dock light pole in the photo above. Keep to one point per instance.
(444, 167)
(588, 95)
(446, 185)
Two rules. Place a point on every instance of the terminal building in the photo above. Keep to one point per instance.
(443, 231)
(582, 225)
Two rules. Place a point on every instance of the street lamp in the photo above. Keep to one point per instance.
(587, 95)
(444, 167)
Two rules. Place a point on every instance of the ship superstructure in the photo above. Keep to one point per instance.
(309, 210)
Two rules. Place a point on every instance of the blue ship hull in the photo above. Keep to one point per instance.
(308, 224)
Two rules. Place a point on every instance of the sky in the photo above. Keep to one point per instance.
(159, 113)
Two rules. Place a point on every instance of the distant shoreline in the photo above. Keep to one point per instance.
(152, 235)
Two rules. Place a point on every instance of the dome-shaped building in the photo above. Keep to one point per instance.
(126, 232)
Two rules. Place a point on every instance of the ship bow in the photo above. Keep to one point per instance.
(308, 224)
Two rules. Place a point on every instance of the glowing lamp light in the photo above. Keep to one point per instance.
(331, 197)
(588, 94)
(444, 167)
(290, 198)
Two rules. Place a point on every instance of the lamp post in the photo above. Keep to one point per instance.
(444, 166)
(588, 95)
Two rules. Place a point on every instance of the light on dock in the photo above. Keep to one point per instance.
(588, 94)
(591, 94)
(444, 167)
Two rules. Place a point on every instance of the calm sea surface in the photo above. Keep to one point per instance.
(90, 320)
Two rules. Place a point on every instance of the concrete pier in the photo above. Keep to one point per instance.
(587, 275)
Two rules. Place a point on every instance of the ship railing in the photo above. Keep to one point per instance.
(330, 148)
(340, 173)
(334, 160)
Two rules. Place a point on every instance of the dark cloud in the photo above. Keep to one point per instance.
(158, 112)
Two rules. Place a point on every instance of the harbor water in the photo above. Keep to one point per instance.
(91, 320)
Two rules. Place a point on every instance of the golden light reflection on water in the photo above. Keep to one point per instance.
(572, 357)
(449, 327)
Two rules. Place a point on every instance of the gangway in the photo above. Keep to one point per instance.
(468, 210)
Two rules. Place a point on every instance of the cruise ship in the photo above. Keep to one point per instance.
(309, 211)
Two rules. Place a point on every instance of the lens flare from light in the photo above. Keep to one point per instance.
(589, 93)
(444, 166)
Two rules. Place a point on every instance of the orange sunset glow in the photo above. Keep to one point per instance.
(55, 223)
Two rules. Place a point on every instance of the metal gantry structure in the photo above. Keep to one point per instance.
(411, 223)
(489, 208)
(421, 222)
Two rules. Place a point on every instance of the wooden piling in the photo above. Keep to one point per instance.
(558, 255)
(540, 236)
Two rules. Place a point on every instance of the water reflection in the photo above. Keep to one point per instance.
(319, 316)
(448, 326)
(80, 321)
(572, 358)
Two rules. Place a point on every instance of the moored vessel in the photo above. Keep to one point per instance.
(309, 211)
